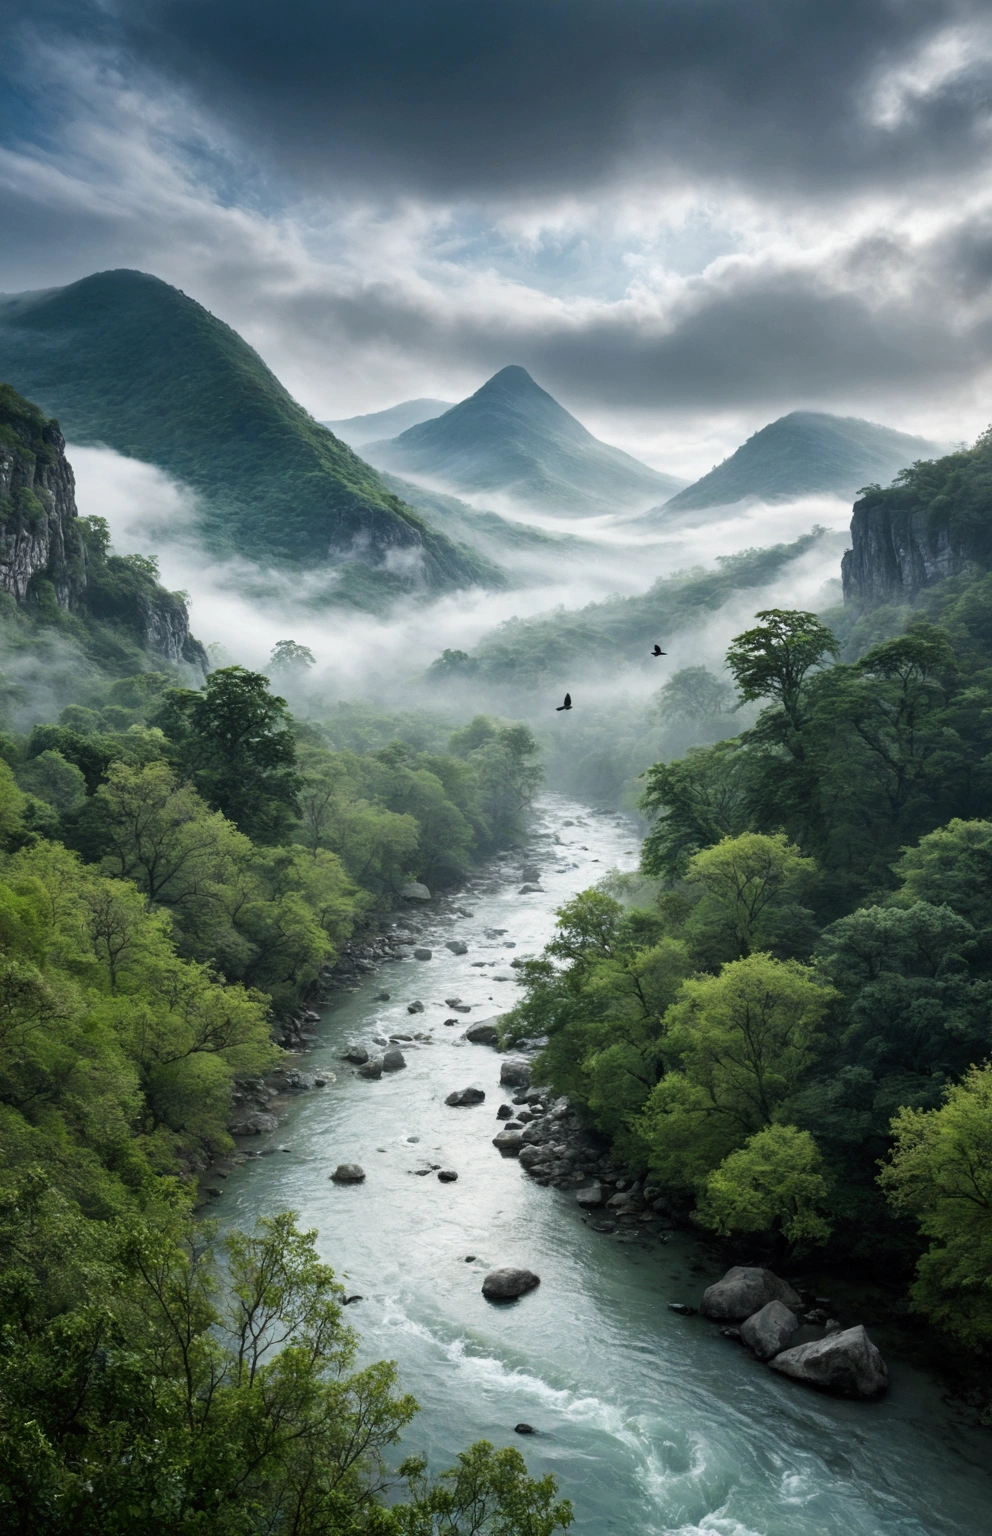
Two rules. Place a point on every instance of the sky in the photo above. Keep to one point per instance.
(683, 217)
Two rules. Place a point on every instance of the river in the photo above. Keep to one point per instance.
(651, 1422)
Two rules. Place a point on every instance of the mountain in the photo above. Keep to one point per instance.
(804, 454)
(933, 524)
(512, 436)
(123, 359)
(56, 569)
(357, 430)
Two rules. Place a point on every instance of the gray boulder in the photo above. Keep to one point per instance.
(531, 873)
(591, 1197)
(768, 1332)
(415, 892)
(744, 1291)
(506, 1284)
(357, 1054)
(457, 947)
(528, 890)
(447, 1175)
(393, 1061)
(464, 1096)
(514, 1073)
(256, 1124)
(530, 1157)
(508, 1142)
(416, 1007)
(371, 1069)
(348, 1173)
(423, 954)
(846, 1362)
(485, 1032)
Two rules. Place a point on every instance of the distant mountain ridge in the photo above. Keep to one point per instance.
(358, 430)
(511, 436)
(803, 454)
(126, 360)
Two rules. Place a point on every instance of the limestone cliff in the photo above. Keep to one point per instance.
(935, 522)
(52, 558)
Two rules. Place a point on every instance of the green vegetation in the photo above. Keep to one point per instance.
(126, 360)
(152, 928)
(806, 999)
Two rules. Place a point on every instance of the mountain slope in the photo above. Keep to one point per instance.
(512, 436)
(491, 537)
(357, 430)
(803, 454)
(126, 360)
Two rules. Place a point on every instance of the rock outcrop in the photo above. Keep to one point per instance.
(744, 1291)
(465, 1096)
(769, 1330)
(846, 1362)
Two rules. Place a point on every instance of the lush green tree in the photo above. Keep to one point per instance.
(952, 866)
(774, 1183)
(233, 742)
(288, 656)
(749, 885)
(772, 660)
(941, 1173)
(694, 802)
(51, 777)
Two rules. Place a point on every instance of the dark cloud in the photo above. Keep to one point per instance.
(462, 97)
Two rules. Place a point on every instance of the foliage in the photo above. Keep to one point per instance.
(774, 1182)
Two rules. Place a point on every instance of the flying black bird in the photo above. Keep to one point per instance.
(658, 651)
(567, 704)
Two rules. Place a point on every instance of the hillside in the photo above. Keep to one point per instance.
(803, 454)
(358, 430)
(124, 359)
(511, 436)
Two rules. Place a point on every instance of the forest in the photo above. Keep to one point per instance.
(178, 868)
(783, 1024)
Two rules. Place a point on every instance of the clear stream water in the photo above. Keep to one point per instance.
(651, 1422)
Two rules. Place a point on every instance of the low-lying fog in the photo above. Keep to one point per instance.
(243, 610)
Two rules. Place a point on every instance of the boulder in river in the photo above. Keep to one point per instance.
(530, 873)
(356, 1054)
(504, 1112)
(847, 1363)
(530, 890)
(415, 892)
(256, 1124)
(508, 1284)
(463, 1096)
(416, 1007)
(514, 1073)
(457, 946)
(371, 1069)
(745, 1290)
(348, 1173)
(524, 1429)
(591, 1196)
(484, 1032)
(423, 954)
(447, 1175)
(768, 1332)
(508, 1142)
(393, 1061)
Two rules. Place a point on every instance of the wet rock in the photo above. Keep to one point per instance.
(504, 1112)
(415, 892)
(381, 997)
(847, 1363)
(416, 1007)
(356, 1054)
(484, 1032)
(393, 1061)
(508, 1142)
(529, 890)
(531, 873)
(745, 1290)
(507, 1284)
(372, 1069)
(450, 1022)
(681, 1308)
(457, 947)
(464, 1096)
(524, 1429)
(591, 1196)
(423, 954)
(348, 1173)
(768, 1332)
(346, 1301)
(257, 1124)
(514, 1073)
(734, 1334)
(447, 1175)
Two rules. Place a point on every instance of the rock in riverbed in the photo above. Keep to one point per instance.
(348, 1173)
(415, 892)
(371, 1069)
(592, 1196)
(847, 1363)
(485, 1032)
(464, 1096)
(504, 1112)
(356, 1054)
(768, 1332)
(447, 1175)
(508, 1142)
(507, 1284)
(393, 1061)
(744, 1291)
(514, 1073)
(423, 954)
(457, 946)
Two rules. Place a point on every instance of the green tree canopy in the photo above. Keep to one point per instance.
(774, 1183)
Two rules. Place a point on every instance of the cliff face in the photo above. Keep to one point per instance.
(39, 535)
(935, 522)
(45, 547)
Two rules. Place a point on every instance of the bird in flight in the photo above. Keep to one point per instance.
(658, 651)
(567, 704)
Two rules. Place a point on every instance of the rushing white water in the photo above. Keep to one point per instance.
(651, 1422)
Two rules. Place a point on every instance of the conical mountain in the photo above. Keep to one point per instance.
(512, 436)
(803, 454)
(125, 360)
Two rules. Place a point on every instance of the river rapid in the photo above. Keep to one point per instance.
(651, 1422)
